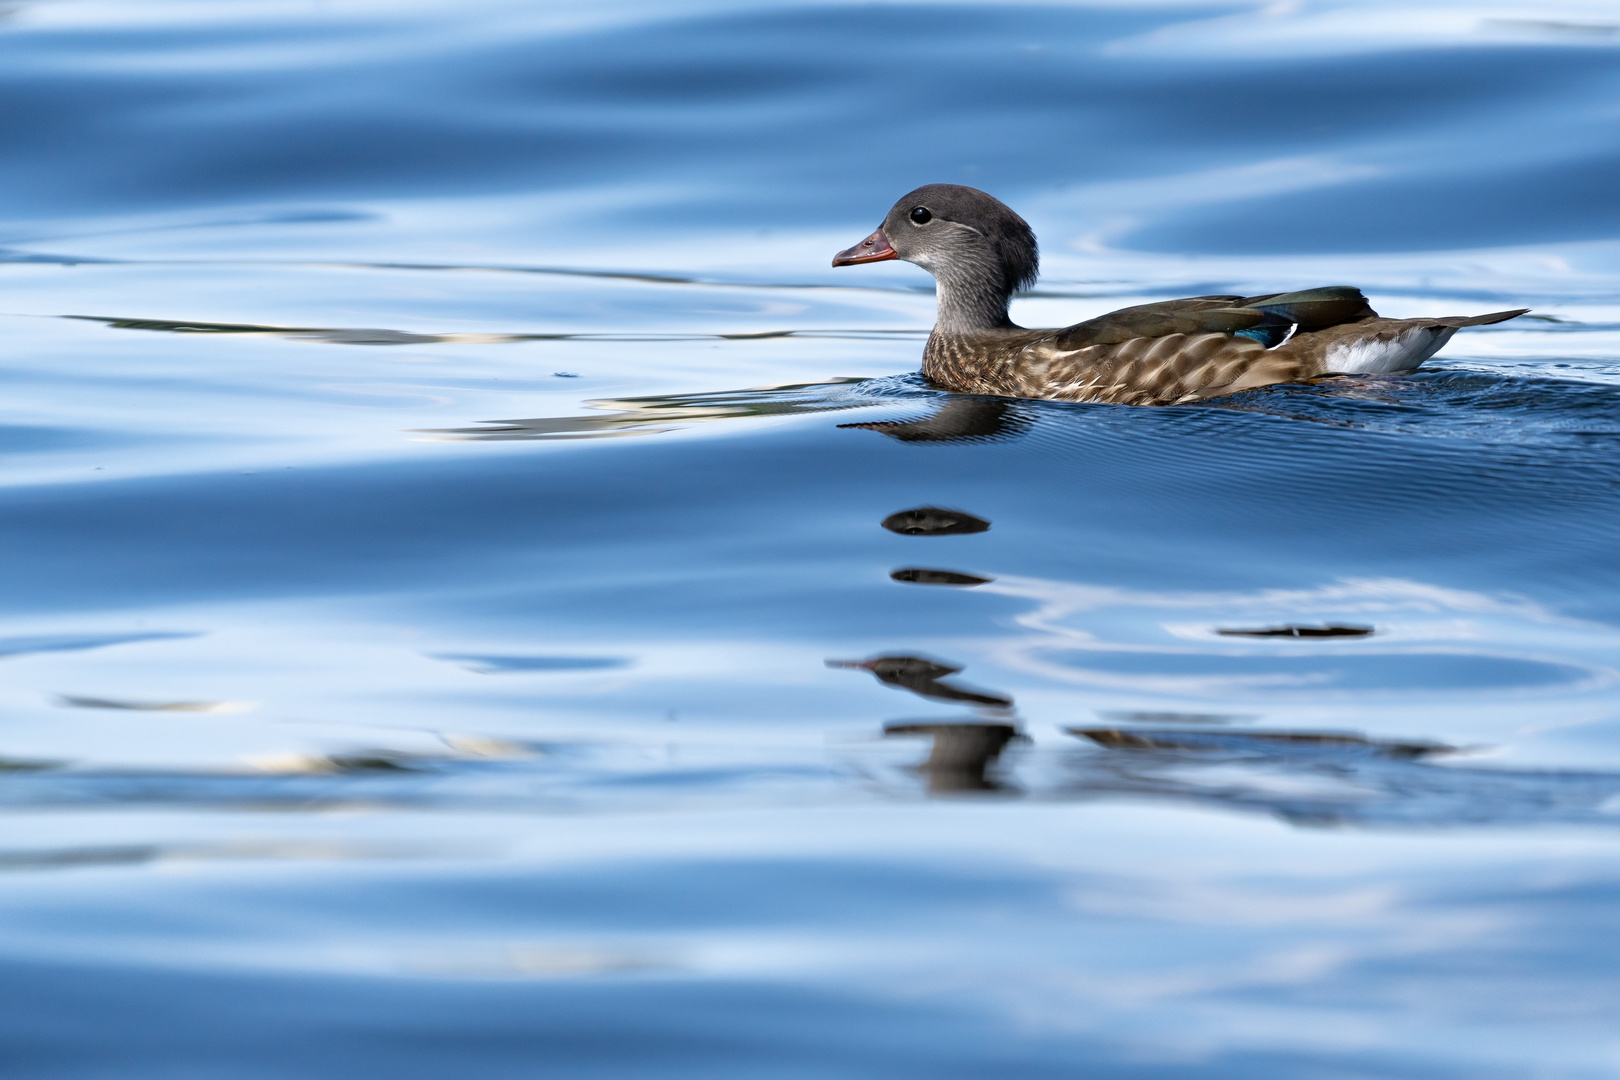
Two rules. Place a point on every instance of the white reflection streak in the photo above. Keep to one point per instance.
(1181, 1002)
(1426, 617)
(1122, 206)
(1289, 30)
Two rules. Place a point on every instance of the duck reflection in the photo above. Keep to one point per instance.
(922, 676)
(961, 756)
(1266, 743)
(1318, 778)
(919, 576)
(934, 521)
(955, 418)
(1292, 631)
(958, 419)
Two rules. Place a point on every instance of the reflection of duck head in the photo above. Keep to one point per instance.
(958, 419)
(961, 755)
(922, 676)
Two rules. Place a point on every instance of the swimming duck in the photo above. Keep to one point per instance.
(1169, 353)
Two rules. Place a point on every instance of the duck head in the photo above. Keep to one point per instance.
(978, 250)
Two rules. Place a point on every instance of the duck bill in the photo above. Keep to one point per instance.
(874, 248)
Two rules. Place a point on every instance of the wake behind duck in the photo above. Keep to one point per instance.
(1169, 353)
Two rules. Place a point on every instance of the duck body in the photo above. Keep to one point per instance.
(1183, 351)
(1169, 353)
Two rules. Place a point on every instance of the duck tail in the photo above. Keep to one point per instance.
(1481, 320)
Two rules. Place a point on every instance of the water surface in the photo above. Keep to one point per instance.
(484, 597)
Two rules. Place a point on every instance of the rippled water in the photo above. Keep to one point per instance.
(484, 598)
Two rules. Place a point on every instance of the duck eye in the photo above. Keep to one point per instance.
(921, 215)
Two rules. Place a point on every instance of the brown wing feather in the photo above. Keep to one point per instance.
(1309, 309)
(1195, 315)
(1315, 309)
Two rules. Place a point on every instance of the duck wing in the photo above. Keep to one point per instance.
(1178, 351)
(1193, 315)
(1268, 318)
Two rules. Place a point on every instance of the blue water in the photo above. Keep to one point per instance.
(463, 614)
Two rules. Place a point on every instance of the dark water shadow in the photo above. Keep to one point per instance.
(79, 701)
(917, 575)
(1281, 744)
(958, 419)
(935, 521)
(11, 764)
(1294, 631)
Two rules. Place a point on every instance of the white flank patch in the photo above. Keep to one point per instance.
(1371, 356)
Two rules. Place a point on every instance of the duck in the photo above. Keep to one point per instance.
(1172, 352)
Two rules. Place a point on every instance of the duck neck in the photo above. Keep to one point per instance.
(970, 301)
